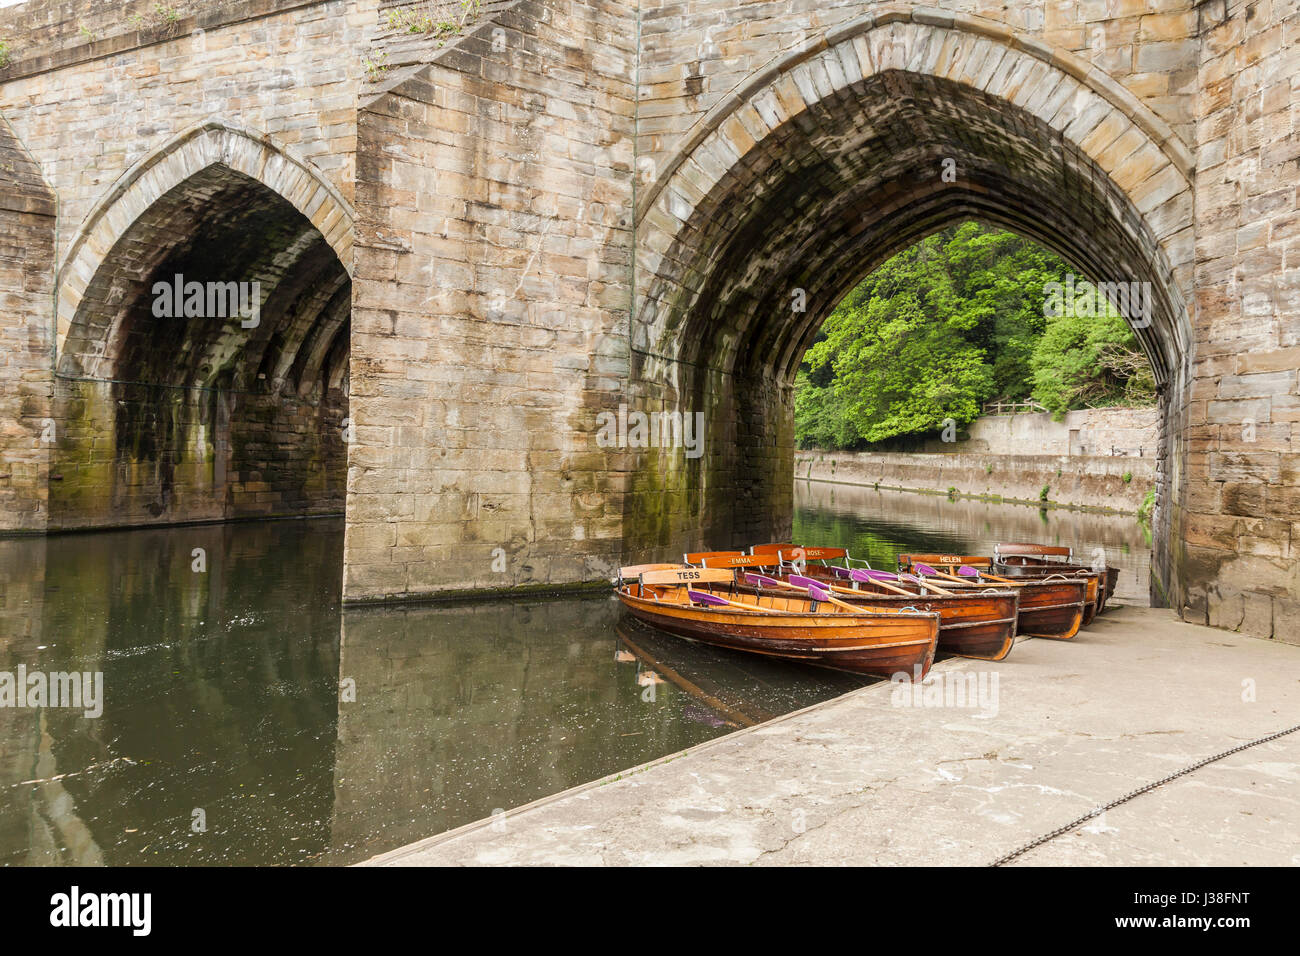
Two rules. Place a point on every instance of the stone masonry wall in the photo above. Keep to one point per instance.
(503, 181)
(490, 315)
(695, 52)
(87, 117)
(27, 229)
(1129, 432)
(149, 454)
(1069, 480)
(1242, 503)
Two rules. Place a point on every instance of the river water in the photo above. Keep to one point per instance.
(247, 719)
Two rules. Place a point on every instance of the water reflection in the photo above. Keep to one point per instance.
(880, 524)
(462, 711)
(224, 738)
(220, 694)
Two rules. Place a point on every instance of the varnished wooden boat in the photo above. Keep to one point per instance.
(1016, 559)
(1053, 609)
(794, 628)
(979, 625)
(982, 626)
(1039, 604)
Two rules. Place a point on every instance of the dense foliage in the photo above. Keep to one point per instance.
(957, 320)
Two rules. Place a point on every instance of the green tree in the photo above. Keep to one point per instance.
(1089, 357)
(951, 322)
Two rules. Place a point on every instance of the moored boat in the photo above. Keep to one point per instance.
(980, 625)
(704, 604)
(1053, 607)
(1016, 559)
(952, 564)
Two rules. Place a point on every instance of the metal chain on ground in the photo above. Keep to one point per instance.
(1138, 792)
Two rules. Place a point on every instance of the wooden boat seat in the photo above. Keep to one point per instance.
(698, 558)
(1035, 550)
(955, 560)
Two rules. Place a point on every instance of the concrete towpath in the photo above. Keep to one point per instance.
(863, 779)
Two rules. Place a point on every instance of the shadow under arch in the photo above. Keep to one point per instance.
(823, 166)
(203, 340)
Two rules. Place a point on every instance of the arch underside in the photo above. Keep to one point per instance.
(817, 204)
(182, 408)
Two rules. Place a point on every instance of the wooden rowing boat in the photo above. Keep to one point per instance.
(979, 625)
(1053, 609)
(1049, 607)
(1018, 559)
(951, 564)
(794, 628)
(982, 626)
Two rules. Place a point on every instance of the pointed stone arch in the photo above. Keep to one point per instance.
(1140, 154)
(806, 176)
(209, 417)
(213, 143)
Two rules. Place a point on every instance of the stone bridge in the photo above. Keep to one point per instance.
(474, 232)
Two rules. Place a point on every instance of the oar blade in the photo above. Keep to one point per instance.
(702, 597)
(868, 575)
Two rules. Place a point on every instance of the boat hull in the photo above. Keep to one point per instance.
(1051, 609)
(1021, 566)
(1054, 609)
(982, 626)
(877, 645)
(1096, 581)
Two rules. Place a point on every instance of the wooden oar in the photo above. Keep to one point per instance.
(708, 597)
(868, 576)
(923, 583)
(818, 592)
(763, 580)
(874, 577)
(927, 570)
(799, 583)
(983, 574)
(888, 587)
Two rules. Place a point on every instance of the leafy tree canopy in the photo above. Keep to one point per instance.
(965, 316)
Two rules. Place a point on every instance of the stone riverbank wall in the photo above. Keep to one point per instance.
(1114, 483)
